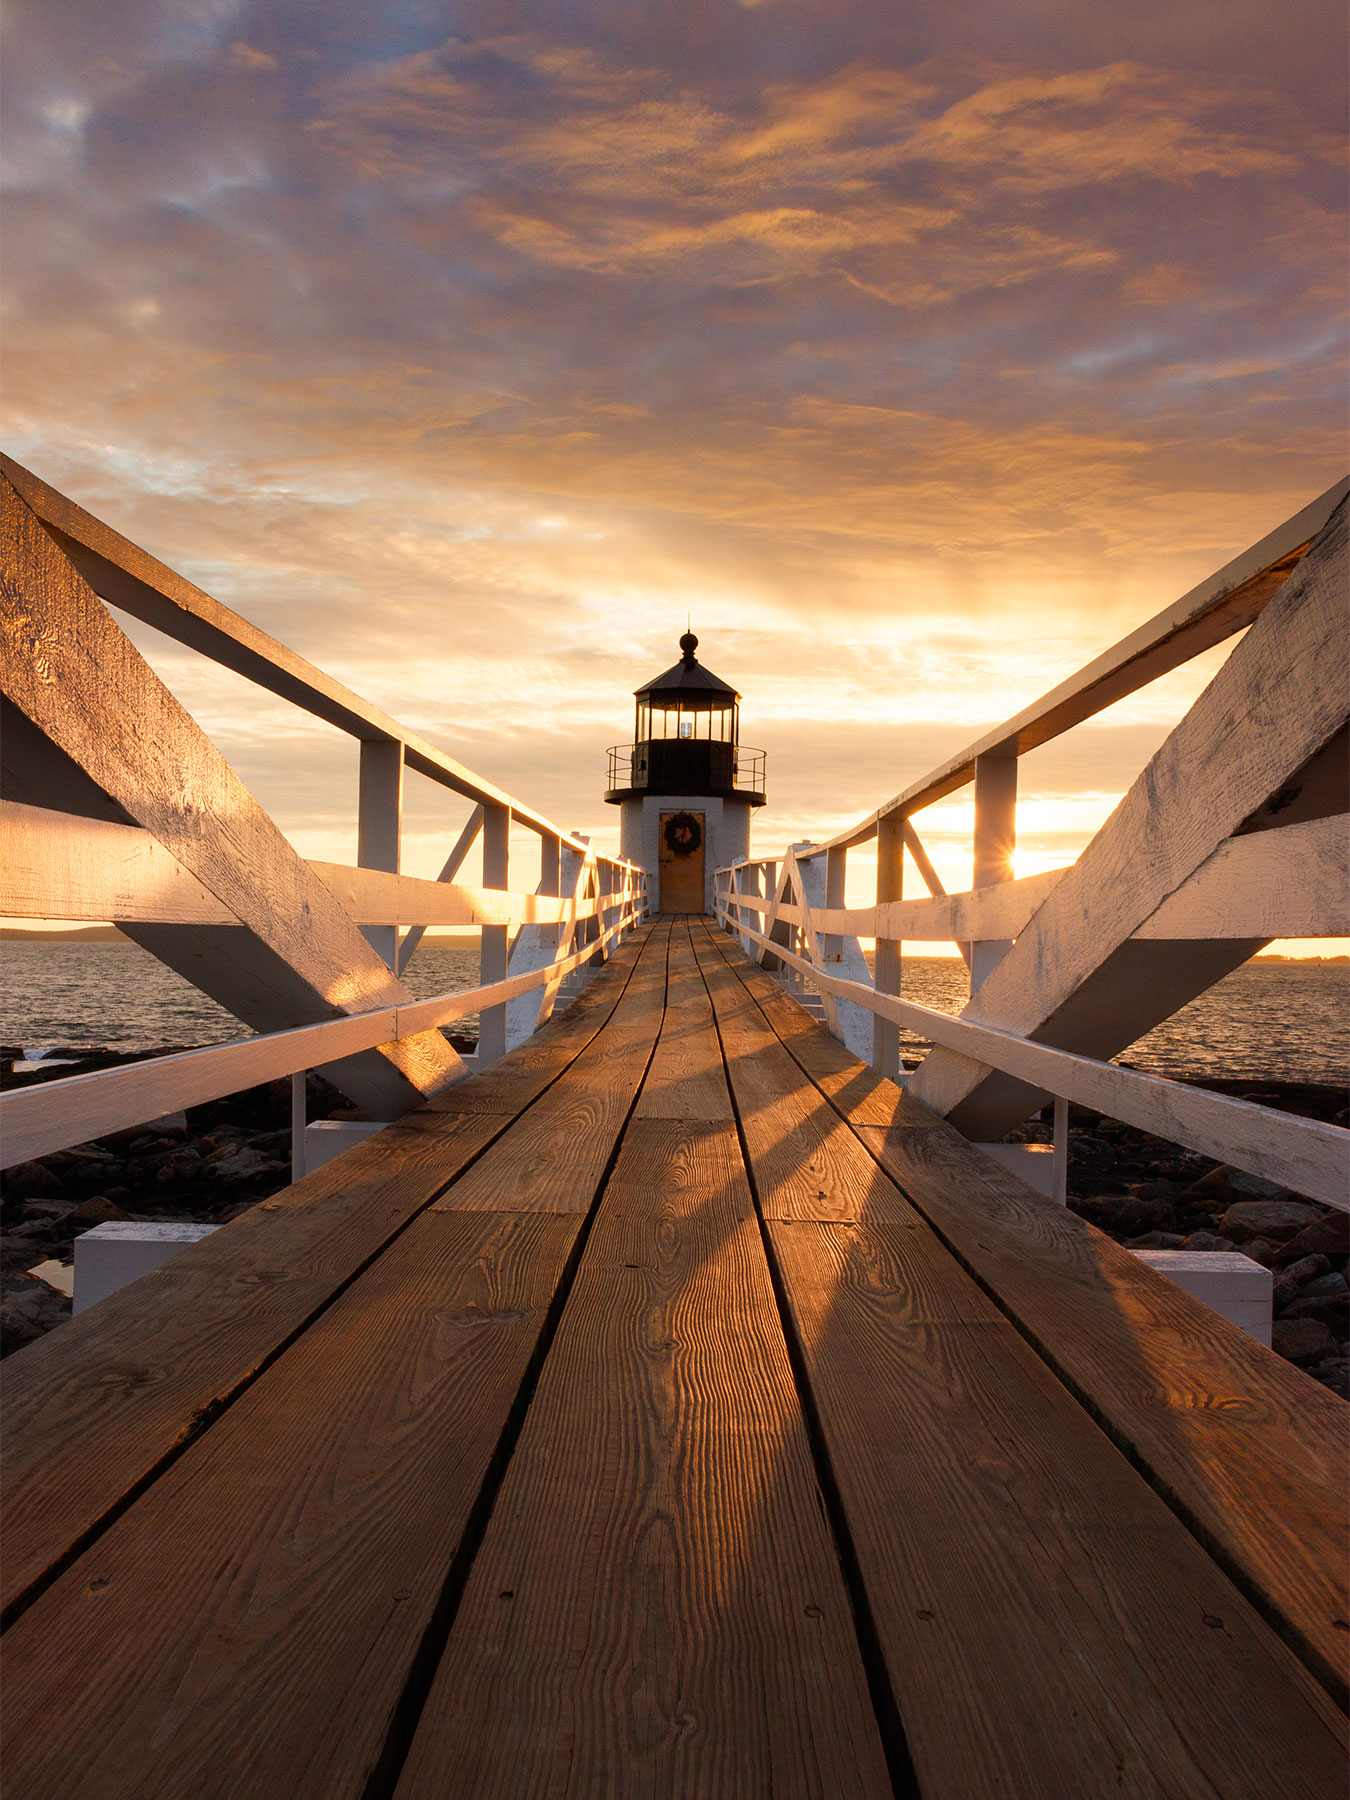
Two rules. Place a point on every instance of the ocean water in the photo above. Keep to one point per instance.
(1269, 1020)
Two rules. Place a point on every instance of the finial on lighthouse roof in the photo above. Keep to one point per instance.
(688, 643)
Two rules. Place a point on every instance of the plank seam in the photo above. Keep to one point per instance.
(207, 1415)
(890, 1724)
(412, 1700)
(1327, 1677)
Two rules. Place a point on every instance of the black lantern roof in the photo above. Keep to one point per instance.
(689, 681)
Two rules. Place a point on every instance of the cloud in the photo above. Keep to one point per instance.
(470, 364)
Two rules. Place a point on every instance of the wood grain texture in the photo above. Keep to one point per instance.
(552, 1159)
(686, 1080)
(657, 1608)
(93, 1408)
(1245, 1445)
(246, 1628)
(1049, 1627)
(807, 1163)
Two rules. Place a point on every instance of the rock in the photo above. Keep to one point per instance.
(237, 1212)
(1332, 1286)
(1260, 1250)
(31, 1181)
(1256, 1187)
(1301, 1340)
(1333, 1373)
(244, 1164)
(1307, 1268)
(1156, 1240)
(1330, 1312)
(1277, 1219)
(1216, 1188)
(50, 1210)
(1206, 1240)
(1329, 1236)
(98, 1211)
(1166, 1191)
(1116, 1214)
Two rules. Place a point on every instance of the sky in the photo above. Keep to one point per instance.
(915, 352)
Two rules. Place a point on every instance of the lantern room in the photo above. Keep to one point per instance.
(686, 784)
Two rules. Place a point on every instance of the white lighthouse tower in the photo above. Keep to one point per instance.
(685, 787)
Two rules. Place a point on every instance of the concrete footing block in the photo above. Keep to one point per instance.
(1034, 1163)
(111, 1255)
(327, 1138)
(1230, 1282)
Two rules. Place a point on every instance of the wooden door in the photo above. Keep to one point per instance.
(681, 862)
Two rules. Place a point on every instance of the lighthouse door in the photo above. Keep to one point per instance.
(681, 862)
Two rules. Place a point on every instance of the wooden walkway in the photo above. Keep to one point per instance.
(673, 1410)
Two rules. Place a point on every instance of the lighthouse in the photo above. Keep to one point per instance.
(686, 786)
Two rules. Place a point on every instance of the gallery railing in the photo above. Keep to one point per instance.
(118, 807)
(731, 766)
(1233, 835)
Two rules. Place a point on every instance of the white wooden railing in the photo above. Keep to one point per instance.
(1234, 834)
(118, 807)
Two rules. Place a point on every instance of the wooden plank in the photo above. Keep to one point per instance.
(657, 1607)
(1303, 1154)
(246, 1629)
(685, 1080)
(89, 1420)
(1219, 606)
(97, 703)
(1048, 1626)
(94, 1409)
(1244, 1446)
(1072, 979)
(554, 1158)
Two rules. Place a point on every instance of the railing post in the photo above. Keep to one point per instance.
(1061, 1173)
(299, 1119)
(379, 827)
(836, 882)
(495, 938)
(886, 969)
(995, 841)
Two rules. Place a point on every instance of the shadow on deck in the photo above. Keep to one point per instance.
(674, 1409)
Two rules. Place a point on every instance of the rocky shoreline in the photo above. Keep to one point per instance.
(215, 1161)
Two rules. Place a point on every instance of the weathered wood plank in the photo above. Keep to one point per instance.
(1049, 1627)
(554, 1158)
(685, 1080)
(247, 1628)
(1243, 1445)
(657, 1608)
(92, 1410)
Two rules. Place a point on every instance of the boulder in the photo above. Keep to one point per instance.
(1120, 1215)
(1261, 1250)
(1332, 1286)
(1156, 1240)
(1301, 1340)
(1206, 1240)
(1329, 1236)
(1279, 1220)
(98, 1211)
(30, 1181)
(1256, 1187)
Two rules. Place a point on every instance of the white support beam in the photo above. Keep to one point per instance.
(886, 955)
(493, 954)
(468, 837)
(994, 844)
(1242, 754)
(380, 828)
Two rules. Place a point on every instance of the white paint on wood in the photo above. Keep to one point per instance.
(1032, 1163)
(326, 1138)
(111, 1255)
(1073, 978)
(1232, 1284)
(380, 829)
(1302, 1154)
(886, 955)
(994, 843)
